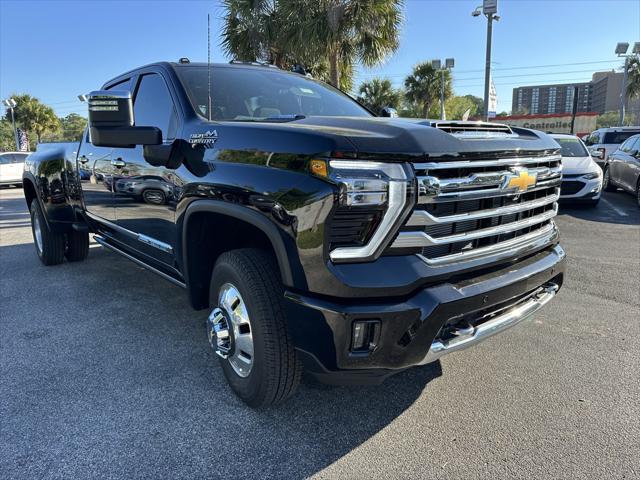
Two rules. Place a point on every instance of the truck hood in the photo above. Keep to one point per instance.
(397, 138)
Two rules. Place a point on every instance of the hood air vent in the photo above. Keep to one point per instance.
(475, 129)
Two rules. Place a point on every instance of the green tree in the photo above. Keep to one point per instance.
(344, 32)
(633, 78)
(422, 88)
(73, 126)
(255, 30)
(455, 107)
(378, 94)
(478, 102)
(7, 140)
(612, 119)
(33, 116)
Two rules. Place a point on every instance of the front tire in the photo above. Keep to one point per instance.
(50, 245)
(247, 328)
(638, 193)
(154, 197)
(607, 186)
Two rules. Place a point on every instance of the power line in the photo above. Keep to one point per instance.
(522, 67)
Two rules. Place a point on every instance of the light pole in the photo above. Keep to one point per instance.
(621, 51)
(448, 65)
(10, 103)
(490, 10)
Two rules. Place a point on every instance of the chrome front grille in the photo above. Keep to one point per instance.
(471, 209)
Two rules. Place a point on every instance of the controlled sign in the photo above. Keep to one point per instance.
(585, 122)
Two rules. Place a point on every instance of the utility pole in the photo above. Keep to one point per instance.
(490, 10)
(621, 51)
(10, 103)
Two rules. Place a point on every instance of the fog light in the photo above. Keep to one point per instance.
(365, 336)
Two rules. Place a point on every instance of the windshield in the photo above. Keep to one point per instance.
(256, 94)
(619, 137)
(571, 147)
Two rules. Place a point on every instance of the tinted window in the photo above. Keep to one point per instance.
(571, 147)
(618, 137)
(5, 159)
(153, 106)
(254, 94)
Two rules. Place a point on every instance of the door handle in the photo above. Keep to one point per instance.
(118, 163)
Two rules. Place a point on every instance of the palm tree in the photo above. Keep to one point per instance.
(422, 87)
(254, 31)
(378, 94)
(35, 117)
(343, 32)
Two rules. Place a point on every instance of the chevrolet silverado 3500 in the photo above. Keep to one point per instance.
(317, 236)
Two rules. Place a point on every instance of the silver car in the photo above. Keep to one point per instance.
(581, 176)
(622, 169)
(604, 141)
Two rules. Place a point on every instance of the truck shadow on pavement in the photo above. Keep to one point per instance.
(107, 372)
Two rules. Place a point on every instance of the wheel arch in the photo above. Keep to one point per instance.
(200, 243)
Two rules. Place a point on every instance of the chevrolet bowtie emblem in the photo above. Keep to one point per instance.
(522, 180)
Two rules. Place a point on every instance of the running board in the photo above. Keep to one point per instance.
(105, 243)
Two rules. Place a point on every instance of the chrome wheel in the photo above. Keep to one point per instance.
(154, 197)
(229, 330)
(37, 232)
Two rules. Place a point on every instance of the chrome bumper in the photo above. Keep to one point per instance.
(491, 327)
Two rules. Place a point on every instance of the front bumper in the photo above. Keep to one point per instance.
(412, 329)
(577, 188)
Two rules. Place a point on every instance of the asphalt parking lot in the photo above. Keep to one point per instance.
(106, 372)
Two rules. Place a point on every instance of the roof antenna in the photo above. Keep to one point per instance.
(209, 64)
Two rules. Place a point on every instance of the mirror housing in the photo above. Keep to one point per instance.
(111, 122)
(389, 112)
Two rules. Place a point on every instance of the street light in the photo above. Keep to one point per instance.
(10, 103)
(490, 10)
(621, 51)
(448, 65)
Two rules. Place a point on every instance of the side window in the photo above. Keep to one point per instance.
(153, 106)
(5, 159)
(627, 145)
(593, 139)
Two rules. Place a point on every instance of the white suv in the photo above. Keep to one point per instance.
(11, 167)
(604, 141)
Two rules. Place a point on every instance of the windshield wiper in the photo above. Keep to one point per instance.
(284, 118)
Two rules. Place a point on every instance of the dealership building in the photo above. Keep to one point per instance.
(600, 95)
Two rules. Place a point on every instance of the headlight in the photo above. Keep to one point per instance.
(592, 175)
(364, 189)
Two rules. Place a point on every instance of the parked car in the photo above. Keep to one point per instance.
(604, 141)
(622, 169)
(581, 176)
(316, 235)
(11, 167)
(151, 189)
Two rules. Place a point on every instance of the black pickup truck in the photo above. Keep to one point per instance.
(318, 236)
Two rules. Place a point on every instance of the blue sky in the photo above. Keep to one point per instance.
(58, 49)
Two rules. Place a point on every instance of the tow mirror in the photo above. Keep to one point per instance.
(111, 122)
